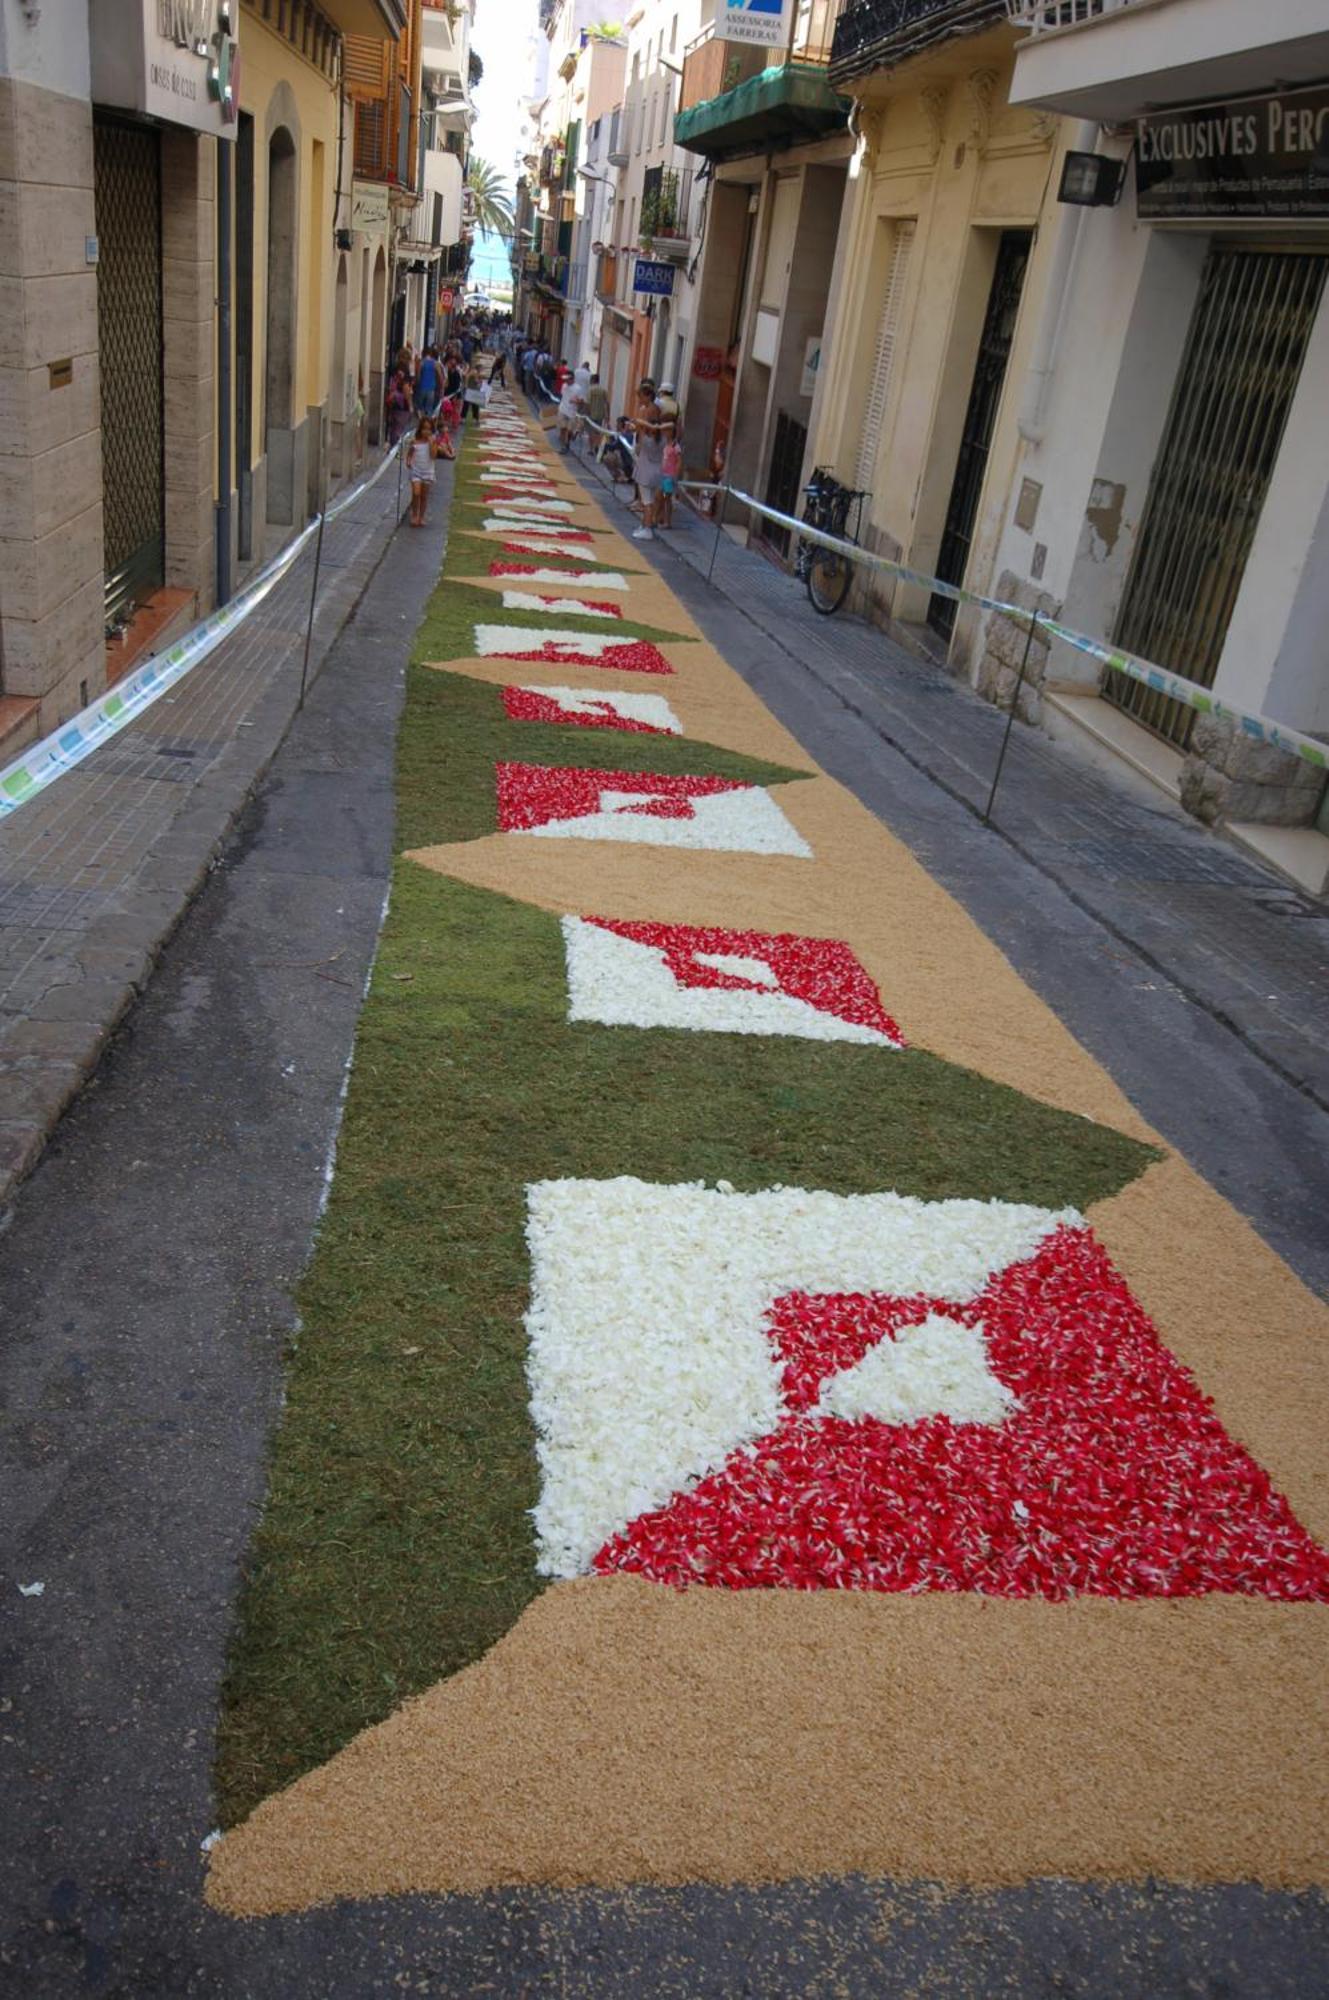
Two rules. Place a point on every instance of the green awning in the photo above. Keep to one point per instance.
(779, 107)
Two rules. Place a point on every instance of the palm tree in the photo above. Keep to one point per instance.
(493, 203)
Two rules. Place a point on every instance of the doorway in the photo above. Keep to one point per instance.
(244, 336)
(127, 169)
(279, 341)
(783, 479)
(994, 351)
(1238, 375)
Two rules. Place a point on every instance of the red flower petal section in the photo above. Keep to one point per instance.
(1113, 1477)
(533, 794)
(529, 705)
(821, 971)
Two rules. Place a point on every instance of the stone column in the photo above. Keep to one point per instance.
(188, 359)
(52, 640)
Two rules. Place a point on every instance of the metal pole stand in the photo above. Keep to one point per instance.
(313, 595)
(723, 498)
(396, 519)
(1010, 716)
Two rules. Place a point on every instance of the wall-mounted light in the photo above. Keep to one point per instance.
(1091, 180)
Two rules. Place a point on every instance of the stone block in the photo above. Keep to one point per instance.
(72, 1042)
(99, 1001)
(20, 1148)
(37, 576)
(44, 230)
(187, 290)
(34, 417)
(48, 491)
(47, 319)
(63, 675)
(37, 1094)
(51, 139)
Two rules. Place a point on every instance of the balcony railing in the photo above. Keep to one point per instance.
(880, 34)
(666, 196)
(1041, 17)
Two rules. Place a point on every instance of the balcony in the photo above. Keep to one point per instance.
(1111, 60)
(882, 34)
(666, 197)
(733, 102)
(441, 53)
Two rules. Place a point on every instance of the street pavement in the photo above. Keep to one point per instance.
(146, 1273)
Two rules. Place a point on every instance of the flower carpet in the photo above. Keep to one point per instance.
(765, 1403)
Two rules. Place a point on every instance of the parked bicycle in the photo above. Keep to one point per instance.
(826, 572)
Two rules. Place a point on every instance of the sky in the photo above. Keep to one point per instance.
(502, 35)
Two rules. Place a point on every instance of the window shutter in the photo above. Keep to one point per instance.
(883, 359)
(365, 66)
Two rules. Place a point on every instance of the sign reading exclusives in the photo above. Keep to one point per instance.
(1253, 156)
(177, 60)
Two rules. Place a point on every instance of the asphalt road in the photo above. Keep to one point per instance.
(145, 1282)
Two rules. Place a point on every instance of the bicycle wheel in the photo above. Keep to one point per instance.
(828, 581)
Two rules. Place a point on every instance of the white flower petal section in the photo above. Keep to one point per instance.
(572, 607)
(499, 639)
(649, 708)
(602, 579)
(529, 522)
(517, 538)
(938, 1368)
(739, 822)
(649, 1360)
(624, 983)
(738, 966)
(531, 504)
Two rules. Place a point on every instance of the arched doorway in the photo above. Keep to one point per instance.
(340, 398)
(279, 342)
(377, 347)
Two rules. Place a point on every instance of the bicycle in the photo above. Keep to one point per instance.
(826, 573)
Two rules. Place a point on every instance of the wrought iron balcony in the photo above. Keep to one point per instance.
(666, 195)
(881, 34)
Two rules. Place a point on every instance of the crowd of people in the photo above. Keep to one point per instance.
(431, 393)
(643, 447)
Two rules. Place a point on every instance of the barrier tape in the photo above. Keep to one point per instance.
(1262, 728)
(38, 767)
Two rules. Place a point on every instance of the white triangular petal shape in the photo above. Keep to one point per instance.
(649, 708)
(500, 639)
(601, 579)
(623, 982)
(649, 1358)
(571, 607)
(738, 966)
(744, 821)
(938, 1368)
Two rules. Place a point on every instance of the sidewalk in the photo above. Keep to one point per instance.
(96, 873)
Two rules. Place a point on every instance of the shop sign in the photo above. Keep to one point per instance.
(707, 363)
(760, 23)
(369, 206)
(656, 278)
(811, 366)
(177, 60)
(1251, 156)
(445, 300)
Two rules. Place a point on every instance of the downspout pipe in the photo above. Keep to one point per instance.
(1032, 419)
(225, 376)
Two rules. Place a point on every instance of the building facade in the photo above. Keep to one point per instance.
(774, 137)
(1173, 472)
(172, 329)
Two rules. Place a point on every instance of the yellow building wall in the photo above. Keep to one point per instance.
(941, 147)
(268, 62)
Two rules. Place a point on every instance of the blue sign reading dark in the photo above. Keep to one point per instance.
(650, 277)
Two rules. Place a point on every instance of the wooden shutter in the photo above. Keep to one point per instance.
(883, 357)
(366, 66)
